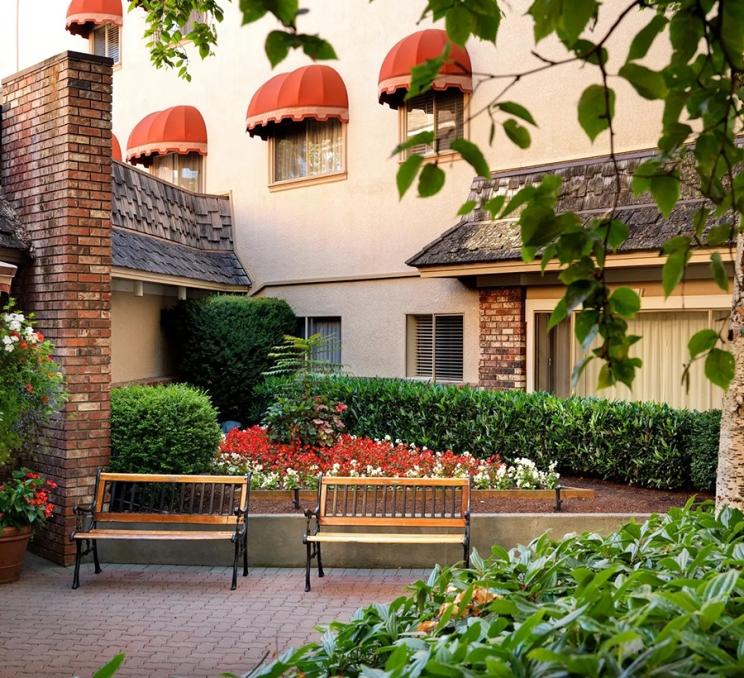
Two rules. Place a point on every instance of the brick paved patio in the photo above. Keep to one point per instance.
(170, 620)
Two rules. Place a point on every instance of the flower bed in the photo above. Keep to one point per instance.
(288, 466)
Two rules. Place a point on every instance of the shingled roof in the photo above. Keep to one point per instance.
(10, 227)
(588, 189)
(161, 228)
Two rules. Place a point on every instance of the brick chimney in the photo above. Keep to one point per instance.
(56, 170)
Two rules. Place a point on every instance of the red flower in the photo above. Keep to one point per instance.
(29, 388)
(341, 408)
(32, 476)
(51, 484)
(39, 336)
(23, 344)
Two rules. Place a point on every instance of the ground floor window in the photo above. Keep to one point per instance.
(328, 327)
(435, 347)
(663, 350)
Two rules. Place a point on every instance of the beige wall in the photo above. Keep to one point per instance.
(356, 227)
(137, 343)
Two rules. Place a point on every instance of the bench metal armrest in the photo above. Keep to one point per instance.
(309, 515)
(81, 511)
(84, 508)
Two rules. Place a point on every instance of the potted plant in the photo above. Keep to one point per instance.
(30, 392)
(24, 502)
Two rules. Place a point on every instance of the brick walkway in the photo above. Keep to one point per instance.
(169, 620)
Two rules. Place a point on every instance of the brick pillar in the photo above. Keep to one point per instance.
(56, 170)
(503, 338)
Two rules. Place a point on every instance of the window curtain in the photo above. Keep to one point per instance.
(308, 149)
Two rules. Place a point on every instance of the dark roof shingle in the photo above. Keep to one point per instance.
(11, 232)
(588, 189)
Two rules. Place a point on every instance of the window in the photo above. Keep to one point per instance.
(194, 18)
(106, 42)
(328, 327)
(440, 112)
(183, 170)
(435, 347)
(307, 149)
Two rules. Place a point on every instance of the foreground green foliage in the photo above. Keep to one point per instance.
(222, 345)
(645, 444)
(661, 599)
(162, 429)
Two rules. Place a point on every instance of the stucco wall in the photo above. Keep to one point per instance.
(138, 348)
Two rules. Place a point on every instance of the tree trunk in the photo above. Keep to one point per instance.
(730, 473)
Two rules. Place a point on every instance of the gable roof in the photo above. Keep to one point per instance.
(588, 189)
(161, 228)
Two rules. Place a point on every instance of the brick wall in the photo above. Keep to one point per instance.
(503, 341)
(56, 170)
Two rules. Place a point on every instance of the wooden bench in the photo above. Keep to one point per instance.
(161, 500)
(381, 503)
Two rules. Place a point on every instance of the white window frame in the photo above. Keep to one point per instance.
(283, 184)
(700, 302)
(105, 28)
(412, 343)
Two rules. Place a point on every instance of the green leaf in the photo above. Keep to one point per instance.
(431, 180)
(645, 37)
(472, 155)
(625, 302)
(702, 341)
(277, 47)
(110, 668)
(316, 48)
(574, 17)
(423, 74)
(649, 84)
(720, 367)
(517, 110)
(673, 270)
(420, 139)
(560, 312)
(493, 206)
(466, 207)
(407, 173)
(665, 189)
(586, 327)
(720, 234)
(459, 24)
(518, 134)
(594, 113)
(616, 232)
(685, 32)
(718, 270)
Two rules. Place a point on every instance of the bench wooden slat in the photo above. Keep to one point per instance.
(167, 478)
(383, 538)
(99, 533)
(439, 482)
(391, 521)
(196, 518)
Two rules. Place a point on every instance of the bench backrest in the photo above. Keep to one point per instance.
(164, 498)
(430, 502)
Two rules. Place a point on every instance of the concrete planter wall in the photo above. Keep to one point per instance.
(276, 541)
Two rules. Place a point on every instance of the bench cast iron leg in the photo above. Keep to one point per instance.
(235, 565)
(307, 568)
(245, 553)
(95, 557)
(78, 558)
(320, 562)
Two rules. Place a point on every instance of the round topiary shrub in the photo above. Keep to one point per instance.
(162, 429)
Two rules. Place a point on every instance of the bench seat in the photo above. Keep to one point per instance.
(155, 534)
(381, 538)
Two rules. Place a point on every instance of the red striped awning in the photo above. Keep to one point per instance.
(179, 129)
(115, 148)
(395, 73)
(84, 15)
(316, 91)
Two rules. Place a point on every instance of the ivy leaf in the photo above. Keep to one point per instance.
(594, 116)
(473, 155)
(645, 37)
(625, 302)
(720, 367)
(407, 173)
(517, 110)
(431, 181)
(422, 138)
(466, 207)
(649, 84)
(459, 24)
(517, 133)
(702, 341)
(718, 270)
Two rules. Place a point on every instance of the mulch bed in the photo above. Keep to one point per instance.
(610, 498)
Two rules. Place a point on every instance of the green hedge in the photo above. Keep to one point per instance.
(221, 344)
(645, 444)
(162, 429)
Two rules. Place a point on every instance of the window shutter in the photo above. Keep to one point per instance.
(448, 347)
(112, 40)
(424, 346)
(420, 118)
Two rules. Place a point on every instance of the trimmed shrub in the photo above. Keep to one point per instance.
(222, 344)
(702, 446)
(163, 429)
(644, 444)
(665, 598)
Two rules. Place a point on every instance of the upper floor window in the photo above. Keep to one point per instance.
(194, 18)
(440, 112)
(307, 149)
(185, 171)
(106, 42)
